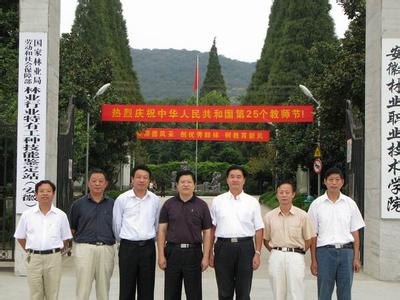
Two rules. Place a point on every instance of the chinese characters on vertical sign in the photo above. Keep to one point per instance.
(32, 94)
(390, 120)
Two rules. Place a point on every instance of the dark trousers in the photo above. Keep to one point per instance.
(136, 267)
(183, 265)
(234, 268)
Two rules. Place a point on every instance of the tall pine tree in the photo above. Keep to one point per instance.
(337, 74)
(214, 81)
(294, 26)
(263, 66)
(97, 52)
(100, 25)
(9, 61)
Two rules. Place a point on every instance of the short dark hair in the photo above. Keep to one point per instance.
(97, 171)
(333, 170)
(236, 167)
(37, 185)
(181, 173)
(289, 182)
(140, 167)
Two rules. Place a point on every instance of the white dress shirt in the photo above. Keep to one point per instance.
(135, 218)
(335, 221)
(43, 232)
(236, 217)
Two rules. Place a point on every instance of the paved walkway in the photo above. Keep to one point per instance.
(364, 287)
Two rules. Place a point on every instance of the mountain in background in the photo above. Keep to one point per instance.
(169, 73)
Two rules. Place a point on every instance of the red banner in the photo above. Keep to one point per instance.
(204, 135)
(206, 114)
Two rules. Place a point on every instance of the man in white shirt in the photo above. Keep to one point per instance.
(43, 231)
(135, 221)
(236, 218)
(335, 252)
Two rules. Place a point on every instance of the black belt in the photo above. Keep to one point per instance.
(137, 243)
(184, 246)
(235, 240)
(50, 251)
(339, 246)
(287, 249)
(99, 243)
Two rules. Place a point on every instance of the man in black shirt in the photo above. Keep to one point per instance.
(91, 226)
(185, 223)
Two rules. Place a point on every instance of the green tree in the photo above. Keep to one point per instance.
(80, 78)
(214, 98)
(8, 61)
(214, 81)
(97, 52)
(100, 25)
(350, 69)
(294, 26)
(261, 169)
(271, 43)
(336, 75)
(296, 142)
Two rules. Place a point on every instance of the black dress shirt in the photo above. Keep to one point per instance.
(186, 220)
(92, 221)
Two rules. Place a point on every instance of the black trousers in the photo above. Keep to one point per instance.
(183, 265)
(234, 268)
(136, 268)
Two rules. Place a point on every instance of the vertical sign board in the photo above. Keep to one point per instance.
(390, 126)
(32, 100)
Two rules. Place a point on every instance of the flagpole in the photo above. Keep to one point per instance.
(197, 104)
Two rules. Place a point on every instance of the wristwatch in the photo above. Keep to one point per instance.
(258, 252)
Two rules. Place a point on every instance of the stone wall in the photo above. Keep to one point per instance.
(381, 248)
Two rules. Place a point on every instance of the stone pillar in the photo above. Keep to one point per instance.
(44, 16)
(302, 181)
(381, 248)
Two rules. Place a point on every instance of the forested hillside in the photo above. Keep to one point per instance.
(168, 73)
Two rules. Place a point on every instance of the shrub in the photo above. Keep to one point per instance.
(114, 193)
(269, 199)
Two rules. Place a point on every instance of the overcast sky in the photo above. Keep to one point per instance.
(239, 25)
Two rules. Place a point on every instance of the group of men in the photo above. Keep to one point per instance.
(330, 229)
(191, 237)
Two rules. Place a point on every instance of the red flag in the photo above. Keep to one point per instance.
(196, 77)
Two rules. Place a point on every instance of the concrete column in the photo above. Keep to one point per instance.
(382, 244)
(44, 16)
